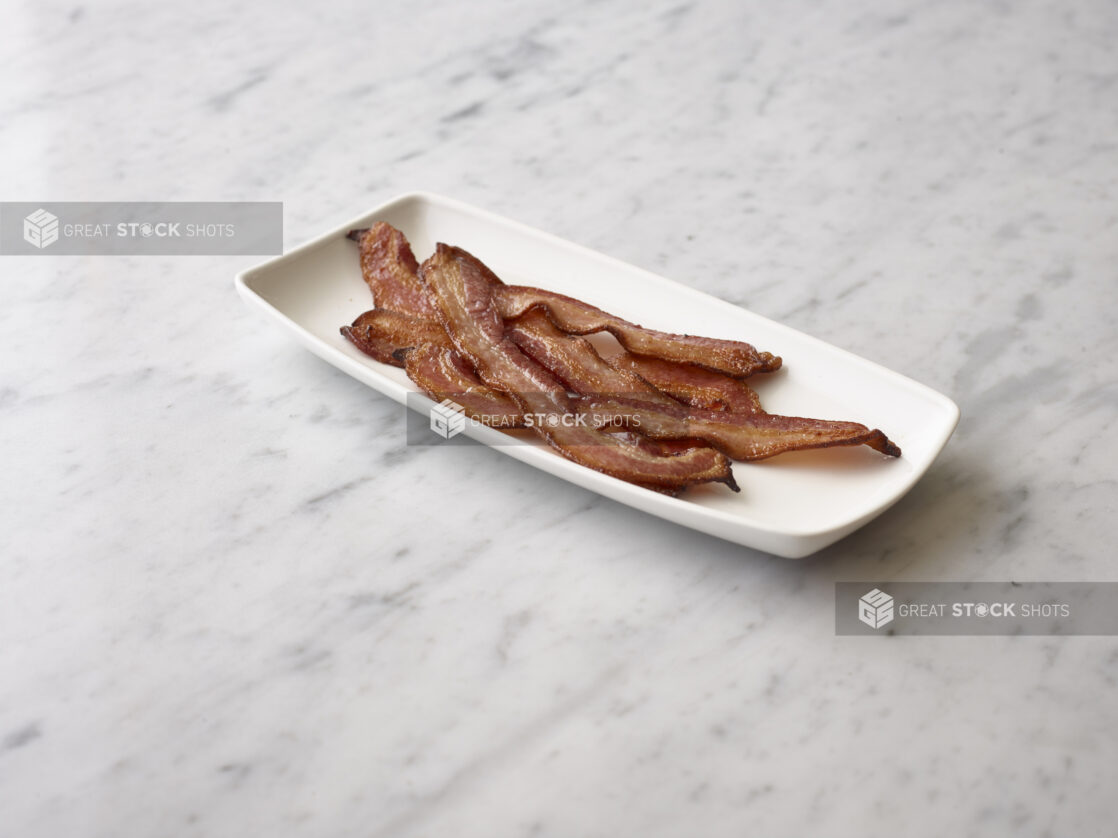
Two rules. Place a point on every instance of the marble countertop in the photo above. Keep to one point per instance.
(233, 602)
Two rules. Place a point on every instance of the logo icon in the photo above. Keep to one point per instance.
(448, 419)
(875, 609)
(40, 228)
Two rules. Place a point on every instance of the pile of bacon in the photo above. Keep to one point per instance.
(664, 411)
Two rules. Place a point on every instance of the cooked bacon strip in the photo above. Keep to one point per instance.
(611, 393)
(391, 271)
(692, 385)
(575, 362)
(462, 291)
(661, 448)
(425, 352)
(382, 334)
(750, 437)
(442, 374)
(575, 317)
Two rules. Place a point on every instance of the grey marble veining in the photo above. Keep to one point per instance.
(233, 601)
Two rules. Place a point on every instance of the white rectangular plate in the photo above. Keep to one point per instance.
(791, 505)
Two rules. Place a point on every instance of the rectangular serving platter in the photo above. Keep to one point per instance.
(791, 505)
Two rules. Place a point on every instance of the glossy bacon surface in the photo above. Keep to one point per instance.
(575, 317)
(575, 361)
(532, 353)
(690, 384)
(383, 333)
(391, 271)
(442, 374)
(621, 395)
(461, 289)
(747, 437)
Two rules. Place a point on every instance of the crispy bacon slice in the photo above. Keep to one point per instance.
(382, 334)
(749, 437)
(692, 385)
(462, 290)
(575, 317)
(442, 374)
(575, 362)
(391, 271)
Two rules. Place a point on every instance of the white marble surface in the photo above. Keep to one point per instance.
(232, 602)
